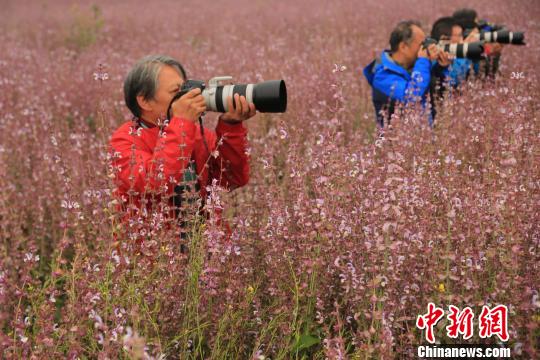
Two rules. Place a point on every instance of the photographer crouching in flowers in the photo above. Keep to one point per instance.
(164, 158)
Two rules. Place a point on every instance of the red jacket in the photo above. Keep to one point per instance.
(138, 151)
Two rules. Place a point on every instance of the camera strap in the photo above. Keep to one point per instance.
(186, 195)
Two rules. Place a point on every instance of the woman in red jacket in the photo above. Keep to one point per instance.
(154, 157)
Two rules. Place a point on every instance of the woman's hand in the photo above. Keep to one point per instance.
(241, 112)
(189, 106)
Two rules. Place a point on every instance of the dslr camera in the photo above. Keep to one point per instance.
(268, 96)
(473, 51)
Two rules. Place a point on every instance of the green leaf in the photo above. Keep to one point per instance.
(305, 341)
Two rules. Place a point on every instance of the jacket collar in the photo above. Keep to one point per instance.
(145, 124)
(139, 122)
(391, 65)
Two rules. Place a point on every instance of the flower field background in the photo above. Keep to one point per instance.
(340, 239)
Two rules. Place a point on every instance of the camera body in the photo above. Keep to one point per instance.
(428, 41)
(189, 85)
(268, 96)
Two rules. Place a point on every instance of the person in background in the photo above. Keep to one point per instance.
(469, 21)
(446, 30)
(403, 73)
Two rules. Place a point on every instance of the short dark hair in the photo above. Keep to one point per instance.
(143, 79)
(402, 33)
(443, 27)
(466, 17)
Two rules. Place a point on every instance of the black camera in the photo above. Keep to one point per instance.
(427, 42)
(268, 96)
(189, 85)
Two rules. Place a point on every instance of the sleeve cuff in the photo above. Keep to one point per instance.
(223, 126)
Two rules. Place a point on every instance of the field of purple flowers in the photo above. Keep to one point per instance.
(341, 238)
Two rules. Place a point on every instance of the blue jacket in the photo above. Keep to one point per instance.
(454, 74)
(458, 71)
(390, 82)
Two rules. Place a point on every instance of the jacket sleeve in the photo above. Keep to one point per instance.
(146, 171)
(397, 88)
(231, 166)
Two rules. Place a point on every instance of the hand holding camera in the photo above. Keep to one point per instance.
(189, 106)
(242, 110)
(494, 49)
(428, 50)
(472, 36)
(443, 58)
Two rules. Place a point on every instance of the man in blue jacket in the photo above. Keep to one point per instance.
(403, 73)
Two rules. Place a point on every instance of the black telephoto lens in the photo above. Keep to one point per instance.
(270, 96)
(504, 37)
(473, 51)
